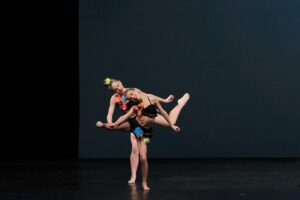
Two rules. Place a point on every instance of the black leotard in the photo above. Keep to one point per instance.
(150, 111)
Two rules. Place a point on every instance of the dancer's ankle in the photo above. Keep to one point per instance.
(145, 186)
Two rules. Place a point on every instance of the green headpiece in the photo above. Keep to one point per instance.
(108, 81)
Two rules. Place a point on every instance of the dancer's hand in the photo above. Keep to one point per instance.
(135, 108)
(169, 99)
(175, 128)
(110, 125)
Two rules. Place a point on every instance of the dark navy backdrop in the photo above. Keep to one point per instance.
(238, 59)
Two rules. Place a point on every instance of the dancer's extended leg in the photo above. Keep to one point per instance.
(174, 113)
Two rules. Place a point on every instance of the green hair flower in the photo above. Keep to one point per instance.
(108, 81)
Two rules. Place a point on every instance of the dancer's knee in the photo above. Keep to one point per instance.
(143, 158)
(135, 150)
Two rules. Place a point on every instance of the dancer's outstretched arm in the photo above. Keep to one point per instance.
(169, 99)
(111, 109)
(124, 117)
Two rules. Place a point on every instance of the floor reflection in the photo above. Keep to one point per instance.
(137, 193)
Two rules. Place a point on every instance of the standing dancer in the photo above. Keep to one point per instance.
(117, 87)
(163, 119)
(143, 109)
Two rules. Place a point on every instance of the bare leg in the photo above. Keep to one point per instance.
(144, 163)
(176, 110)
(125, 126)
(134, 158)
(173, 115)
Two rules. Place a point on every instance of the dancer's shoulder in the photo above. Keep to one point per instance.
(114, 98)
(137, 89)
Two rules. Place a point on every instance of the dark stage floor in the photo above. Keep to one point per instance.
(168, 179)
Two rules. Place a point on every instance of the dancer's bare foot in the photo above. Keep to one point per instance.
(131, 180)
(182, 101)
(175, 128)
(100, 124)
(169, 99)
(145, 186)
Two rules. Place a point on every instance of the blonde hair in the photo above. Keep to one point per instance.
(128, 90)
